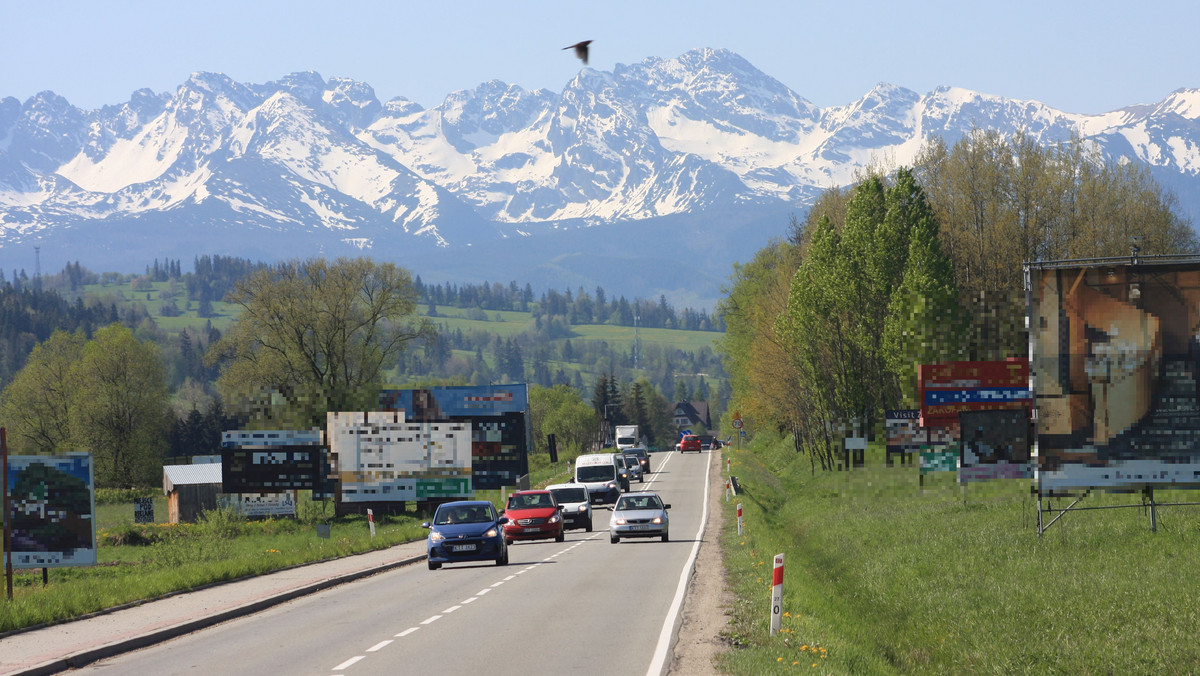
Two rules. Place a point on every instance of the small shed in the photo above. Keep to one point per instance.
(191, 489)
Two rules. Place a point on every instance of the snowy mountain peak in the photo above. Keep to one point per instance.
(303, 164)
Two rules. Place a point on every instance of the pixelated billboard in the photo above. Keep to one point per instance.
(271, 469)
(947, 389)
(383, 457)
(498, 416)
(1115, 352)
(995, 445)
(260, 504)
(904, 431)
(52, 507)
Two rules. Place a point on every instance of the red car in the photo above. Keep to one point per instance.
(533, 515)
(690, 442)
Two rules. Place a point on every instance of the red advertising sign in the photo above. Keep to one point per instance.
(945, 390)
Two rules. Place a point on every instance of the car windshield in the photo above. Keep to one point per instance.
(632, 502)
(595, 473)
(463, 514)
(570, 494)
(531, 501)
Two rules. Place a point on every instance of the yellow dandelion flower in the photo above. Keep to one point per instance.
(778, 659)
(786, 614)
(795, 663)
(814, 665)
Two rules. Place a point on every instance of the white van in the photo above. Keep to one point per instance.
(602, 476)
(576, 505)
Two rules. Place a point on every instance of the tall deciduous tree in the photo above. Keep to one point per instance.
(561, 411)
(35, 405)
(119, 409)
(318, 335)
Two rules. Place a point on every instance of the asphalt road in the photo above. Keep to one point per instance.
(583, 606)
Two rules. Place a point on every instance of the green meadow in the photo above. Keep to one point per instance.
(884, 576)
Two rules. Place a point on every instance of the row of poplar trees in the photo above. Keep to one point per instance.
(921, 265)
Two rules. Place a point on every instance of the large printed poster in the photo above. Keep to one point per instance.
(52, 508)
(498, 416)
(382, 457)
(1115, 355)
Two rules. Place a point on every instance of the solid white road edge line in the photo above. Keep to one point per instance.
(658, 663)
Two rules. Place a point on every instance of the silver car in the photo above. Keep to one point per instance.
(633, 467)
(639, 515)
(576, 507)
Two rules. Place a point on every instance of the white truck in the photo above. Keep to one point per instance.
(627, 437)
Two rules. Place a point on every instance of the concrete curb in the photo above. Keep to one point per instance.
(88, 656)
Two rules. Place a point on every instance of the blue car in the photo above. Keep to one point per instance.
(467, 530)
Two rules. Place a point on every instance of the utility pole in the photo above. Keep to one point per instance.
(636, 341)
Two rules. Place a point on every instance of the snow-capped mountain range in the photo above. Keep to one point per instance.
(650, 179)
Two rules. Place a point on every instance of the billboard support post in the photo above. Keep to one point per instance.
(8, 567)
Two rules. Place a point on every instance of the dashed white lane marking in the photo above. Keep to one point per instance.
(347, 663)
(451, 609)
(406, 632)
(433, 619)
(473, 599)
(482, 592)
(499, 583)
(379, 646)
(509, 578)
(525, 570)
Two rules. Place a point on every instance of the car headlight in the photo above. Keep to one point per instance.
(619, 522)
(491, 533)
(554, 519)
(611, 485)
(657, 519)
(583, 507)
(436, 537)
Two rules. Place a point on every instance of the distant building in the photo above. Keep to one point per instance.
(690, 413)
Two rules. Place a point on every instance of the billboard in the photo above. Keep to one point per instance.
(995, 445)
(904, 432)
(260, 504)
(382, 457)
(498, 416)
(1115, 353)
(270, 469)
(947, 389)
(52, 510)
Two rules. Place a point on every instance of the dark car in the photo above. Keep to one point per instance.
(689, 442)
(467, 530)
(642, 456)
(533, 515)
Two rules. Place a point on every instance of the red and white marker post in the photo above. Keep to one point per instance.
(739, 518)
(371, 521)
(777, 594)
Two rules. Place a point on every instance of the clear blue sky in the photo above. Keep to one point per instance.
(1084, 57)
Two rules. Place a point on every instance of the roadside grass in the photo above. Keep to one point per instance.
(883, 576)
(172, 558)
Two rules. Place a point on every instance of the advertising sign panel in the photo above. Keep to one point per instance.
(270, 469)
(497, 415)
(382, 457)
(1115, 352)
(995, 445)
(947, 389)
(261, 504)
(52, 510)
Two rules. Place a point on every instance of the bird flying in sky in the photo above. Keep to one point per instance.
(581, 50)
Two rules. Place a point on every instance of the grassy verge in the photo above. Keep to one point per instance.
(147, 561)
(883, 576)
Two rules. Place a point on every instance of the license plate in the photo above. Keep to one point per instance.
(462, 548)
(639, 528)
(535, 529)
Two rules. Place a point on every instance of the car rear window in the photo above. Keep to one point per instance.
(570, 494)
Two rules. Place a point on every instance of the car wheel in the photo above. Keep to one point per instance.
(434, 566)
(614, 539)
(502, 560)
(560, 537)
(508, 541)
(588, 527)
(666, 538)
